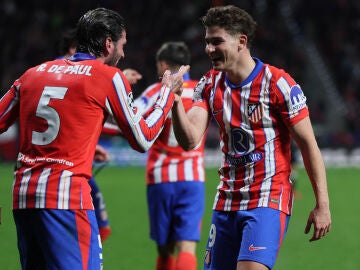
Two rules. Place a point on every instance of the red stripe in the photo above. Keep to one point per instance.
(84, 235)
(282, 229)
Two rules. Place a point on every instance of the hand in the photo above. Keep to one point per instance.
(132, 75)
(100, 154)
(321, 219)
(175, 81)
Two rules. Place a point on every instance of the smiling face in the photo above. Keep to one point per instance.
(223, 48)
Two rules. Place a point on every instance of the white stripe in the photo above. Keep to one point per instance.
(200, 168)
(173, 170)
(230, 183)
(227, 109)
(23, 188)
(187, 93)
(285, 89)
(158, 169)
(13, 102)
(41, 188)
(219, 186)
(249, 170)
(133, 118)
(188, 169)
(269, 148)
(64, 190)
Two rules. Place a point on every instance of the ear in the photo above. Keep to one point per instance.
(109, 45)
(163, 65)
(242, 41)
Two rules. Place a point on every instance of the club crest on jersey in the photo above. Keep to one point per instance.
(297, 97)
(254, 112)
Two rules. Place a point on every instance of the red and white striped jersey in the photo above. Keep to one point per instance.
(253, 120)
(167, 161)
(62, 106)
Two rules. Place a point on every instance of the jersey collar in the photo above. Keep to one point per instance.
(81, 56)
(253, 74)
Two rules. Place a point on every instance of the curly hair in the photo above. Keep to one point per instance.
(233, 19)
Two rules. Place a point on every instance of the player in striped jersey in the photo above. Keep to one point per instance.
(61, 106)
(258, 108)
(174, 177)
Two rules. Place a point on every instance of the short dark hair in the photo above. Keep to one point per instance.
(174, 53)
(68, 40)
(233, 19)
(95, 26)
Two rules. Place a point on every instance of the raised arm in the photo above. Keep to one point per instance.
(139, 131)
(190, 127)
(320, 216)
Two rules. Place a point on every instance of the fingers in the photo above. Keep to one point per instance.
(165, 79)
(308, 227)
(101, 155)
(132, 75)
(319, 231)
(175, 81)
(183, 70)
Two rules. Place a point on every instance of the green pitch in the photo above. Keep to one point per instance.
(129, 246)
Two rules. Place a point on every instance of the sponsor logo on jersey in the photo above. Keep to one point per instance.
(240, 141)
(297, 97)
(253, 248)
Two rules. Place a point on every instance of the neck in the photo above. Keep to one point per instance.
(241, 70)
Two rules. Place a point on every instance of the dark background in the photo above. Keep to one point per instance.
(317, 42)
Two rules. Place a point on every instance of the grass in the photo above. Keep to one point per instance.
(129, 246)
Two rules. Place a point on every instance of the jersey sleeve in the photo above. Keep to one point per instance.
(139, 131)
(147, 99)
(9, 107)
(200, 92)
(292, 101)
(111, 129)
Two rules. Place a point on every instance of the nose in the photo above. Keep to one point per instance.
(209, 48)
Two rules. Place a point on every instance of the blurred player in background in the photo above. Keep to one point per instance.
(174, 177)
(64, 104)
(258, 108)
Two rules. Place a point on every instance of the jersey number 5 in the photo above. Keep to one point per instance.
(48, 113)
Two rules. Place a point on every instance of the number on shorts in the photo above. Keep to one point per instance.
(212, 235)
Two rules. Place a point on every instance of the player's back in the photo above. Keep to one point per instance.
(62, 109)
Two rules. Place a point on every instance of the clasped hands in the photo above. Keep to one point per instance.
(175, 81)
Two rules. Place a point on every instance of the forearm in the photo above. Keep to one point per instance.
(315, 168)
(185, 132)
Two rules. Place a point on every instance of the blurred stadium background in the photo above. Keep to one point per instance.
(317, 42)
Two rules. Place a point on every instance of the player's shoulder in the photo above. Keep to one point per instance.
(278, 73)
(208, 80)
